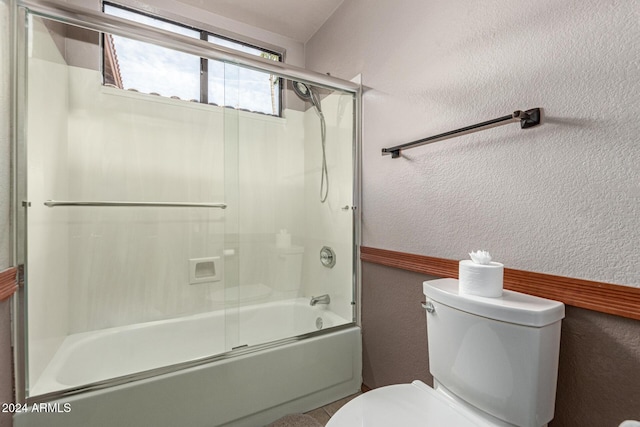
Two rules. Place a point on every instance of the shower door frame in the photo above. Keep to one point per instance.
(92, 20)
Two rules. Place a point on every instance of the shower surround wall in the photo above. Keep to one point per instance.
(94, 268)
(328, 223)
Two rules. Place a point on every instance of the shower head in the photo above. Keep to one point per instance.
(302, 90)
(305, 93)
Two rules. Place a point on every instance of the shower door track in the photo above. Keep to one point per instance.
(151, 373)
(97, 21)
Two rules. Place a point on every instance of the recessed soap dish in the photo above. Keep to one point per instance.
(203, 270)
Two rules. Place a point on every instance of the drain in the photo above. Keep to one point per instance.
(319, 323)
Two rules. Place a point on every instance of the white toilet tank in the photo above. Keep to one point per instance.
(499, 355)
(285, 268)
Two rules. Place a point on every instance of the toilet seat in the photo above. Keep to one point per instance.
(407, 405)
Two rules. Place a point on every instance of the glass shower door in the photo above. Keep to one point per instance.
(229, 85)
(283, 229)
(161, 232)
(126, 232)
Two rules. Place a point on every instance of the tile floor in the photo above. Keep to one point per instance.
(324, 413)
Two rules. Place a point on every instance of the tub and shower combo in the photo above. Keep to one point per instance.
(185, 263)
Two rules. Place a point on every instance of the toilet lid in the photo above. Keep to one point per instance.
(406, 405)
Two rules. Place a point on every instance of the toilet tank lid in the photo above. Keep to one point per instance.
(512, 307)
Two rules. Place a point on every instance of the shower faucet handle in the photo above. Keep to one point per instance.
(327, 257)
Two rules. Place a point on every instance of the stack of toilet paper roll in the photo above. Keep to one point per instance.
(480, 276)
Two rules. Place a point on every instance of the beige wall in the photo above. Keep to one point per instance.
(562, 198)
(598, 379)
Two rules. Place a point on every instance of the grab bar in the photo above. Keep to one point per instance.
(54, 203)
(527, 119)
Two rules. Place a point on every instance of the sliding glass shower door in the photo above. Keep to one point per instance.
(290, 216)
(160, 232)
(126, 224)
(293, 245)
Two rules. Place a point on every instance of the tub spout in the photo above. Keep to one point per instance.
(322, 299)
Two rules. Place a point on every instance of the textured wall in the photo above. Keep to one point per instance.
(598, 378)
(562, 198)
(394, 328)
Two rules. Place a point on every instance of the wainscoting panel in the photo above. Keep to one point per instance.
(598, 376)
(602, 297)
(8, 283)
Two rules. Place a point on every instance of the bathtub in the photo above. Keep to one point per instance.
(250, 378)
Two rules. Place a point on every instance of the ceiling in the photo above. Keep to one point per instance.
(296, 19)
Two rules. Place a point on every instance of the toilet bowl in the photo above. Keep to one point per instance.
(494, 362)
(407, 405)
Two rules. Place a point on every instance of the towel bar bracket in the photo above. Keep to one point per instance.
(529, 118)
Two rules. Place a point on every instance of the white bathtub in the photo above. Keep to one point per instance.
(247, 390)
(95, 356)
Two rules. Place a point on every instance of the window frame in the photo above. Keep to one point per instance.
(204, 62)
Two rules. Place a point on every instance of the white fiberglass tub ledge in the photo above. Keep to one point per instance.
(248, 390)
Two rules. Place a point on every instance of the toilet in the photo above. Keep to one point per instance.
(494, 362)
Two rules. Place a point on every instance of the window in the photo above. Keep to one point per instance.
(143, 67)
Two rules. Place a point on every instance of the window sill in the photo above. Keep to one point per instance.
(215, 109)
